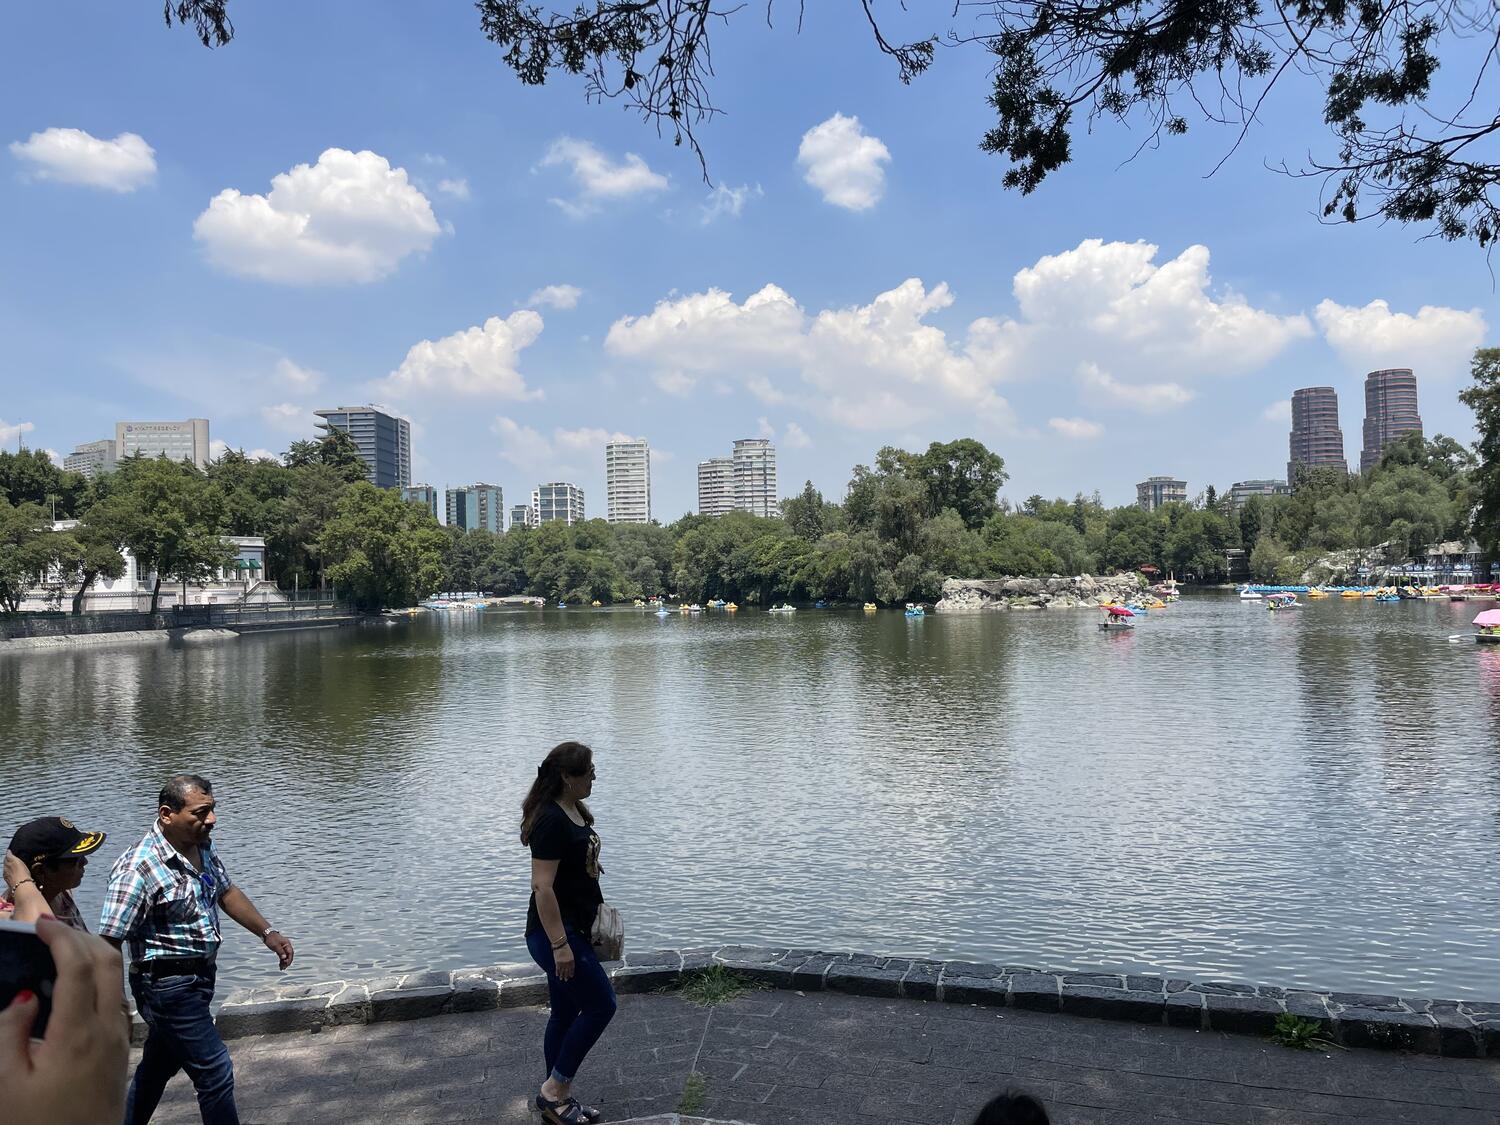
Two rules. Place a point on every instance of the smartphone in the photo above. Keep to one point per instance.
(26, 962)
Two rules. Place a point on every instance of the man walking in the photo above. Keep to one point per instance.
(163, 905)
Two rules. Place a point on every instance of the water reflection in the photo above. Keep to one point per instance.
(1302, 798)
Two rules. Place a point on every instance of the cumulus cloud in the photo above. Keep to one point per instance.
(1436, 341)
(71, 156)
(795, 437)
(554, 296)
(10, 432)
(54, 456)
(481, 360)
(298, 377)
(1148, 398)
(349, 218)
(844, 162)
(867, 366)
(589, 438)
(1080, 429)
(725, 200)
(598, 178)
(1278, 411)
(288, 417)
(458, 188)
(563, 451)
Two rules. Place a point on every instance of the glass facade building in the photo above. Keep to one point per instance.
(1316, 438)
(1390, 412)
(383, 440)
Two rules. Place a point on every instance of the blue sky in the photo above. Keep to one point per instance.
(524, 274)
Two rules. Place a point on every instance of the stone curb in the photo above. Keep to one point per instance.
(1457, 1029)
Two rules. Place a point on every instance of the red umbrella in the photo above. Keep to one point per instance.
(1118, 611)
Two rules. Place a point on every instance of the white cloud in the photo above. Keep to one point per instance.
(458, 188)
(564, 451)
(349, 218)
(589, 438)
(725, 200)
(54, 456)
(844, 162)
(1436, 342)
(1080, 429)
(217, 449)
(1278, 411)
(9, 433)
(598, 178)
(674, 382)
(766, 430)
(298, 377)
(71, 156)
(1148, 398)
(554, 296)
(288, 417)
(795, 437)
(477, 361)
(761, 388)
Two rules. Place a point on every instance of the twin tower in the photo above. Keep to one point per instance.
(1390, 414)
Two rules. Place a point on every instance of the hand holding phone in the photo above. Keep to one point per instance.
(75, 1074)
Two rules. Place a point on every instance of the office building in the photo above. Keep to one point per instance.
(92, 458)
(423, 494)
(1390, 412)
(755, 477)
(1241, 491)
(179, 441)
(627, 481)
(716, 486)
(383, 440)
(1153, 492)
(559, 501)
(477, 507)
(1316, 438)
(522, 515)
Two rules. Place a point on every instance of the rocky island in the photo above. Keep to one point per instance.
(971, 595)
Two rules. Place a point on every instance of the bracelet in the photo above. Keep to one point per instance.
(22, 883)
(560, 942)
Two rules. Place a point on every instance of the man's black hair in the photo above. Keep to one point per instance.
(175, 792)
(1012, 1108)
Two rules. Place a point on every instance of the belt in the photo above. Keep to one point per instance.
(173, 967)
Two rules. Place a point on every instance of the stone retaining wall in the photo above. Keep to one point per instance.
(1460, 1029)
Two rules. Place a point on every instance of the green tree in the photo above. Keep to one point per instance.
(100, 538)
(962, 475)
(30, 477)
(1268, 560)
(1482, 396)
(172, 521)
(383, 551)
(335, 449)
(29, 549)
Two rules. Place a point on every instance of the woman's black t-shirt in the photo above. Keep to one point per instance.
(576, 849)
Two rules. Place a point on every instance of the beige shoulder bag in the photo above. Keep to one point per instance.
(608, 935)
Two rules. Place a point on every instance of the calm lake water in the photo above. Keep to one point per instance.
(1304, 798)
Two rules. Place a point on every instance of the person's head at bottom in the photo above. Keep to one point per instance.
(1012, 1108)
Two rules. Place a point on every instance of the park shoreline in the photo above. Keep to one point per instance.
(1451, 1028)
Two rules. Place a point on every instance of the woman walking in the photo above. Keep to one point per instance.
(565, 896)
(43, 866)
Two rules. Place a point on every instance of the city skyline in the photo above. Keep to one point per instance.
(527, 279)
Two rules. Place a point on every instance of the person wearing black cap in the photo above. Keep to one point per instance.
(45, 862)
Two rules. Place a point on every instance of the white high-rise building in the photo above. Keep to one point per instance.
(627, 476)
(92, 458)
(755, 477)
(522, 515)
(179, 441)
(559, 501)
(716, 486)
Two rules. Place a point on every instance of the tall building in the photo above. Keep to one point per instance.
(384, 442)
(92, 458)
(180, 441)
(1390, 412)
(559, 501)
(755, 477)
(423, 494)
(716, 486)
(477, 506)
(627, 478)
(522, 515)
(1241, 491)
(1316, 438)
(1153, 492)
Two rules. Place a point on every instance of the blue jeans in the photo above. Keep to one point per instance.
(182, 1036)
(581, 1007)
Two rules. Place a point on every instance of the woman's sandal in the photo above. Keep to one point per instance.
(566, 1112)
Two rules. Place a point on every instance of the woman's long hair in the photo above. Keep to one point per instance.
(565, 758)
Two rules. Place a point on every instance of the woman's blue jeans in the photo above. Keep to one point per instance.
(581, 1006)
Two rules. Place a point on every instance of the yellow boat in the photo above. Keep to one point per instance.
(1158, 604)
(731, 607)
(1316, 593)
(870, 607)
(596, 602)
(1351, 594)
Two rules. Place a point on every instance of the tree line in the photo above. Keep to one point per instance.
(905, 523)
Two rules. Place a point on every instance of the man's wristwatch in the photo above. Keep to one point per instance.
(267, 932)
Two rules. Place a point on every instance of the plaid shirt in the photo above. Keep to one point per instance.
(159, 906)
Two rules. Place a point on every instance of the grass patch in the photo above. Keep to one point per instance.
(715, 985)
(1300, 1034)
(693, 1091)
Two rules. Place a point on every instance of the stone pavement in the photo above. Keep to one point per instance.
(781, 1056)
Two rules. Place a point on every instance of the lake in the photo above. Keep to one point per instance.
(1306, 799)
